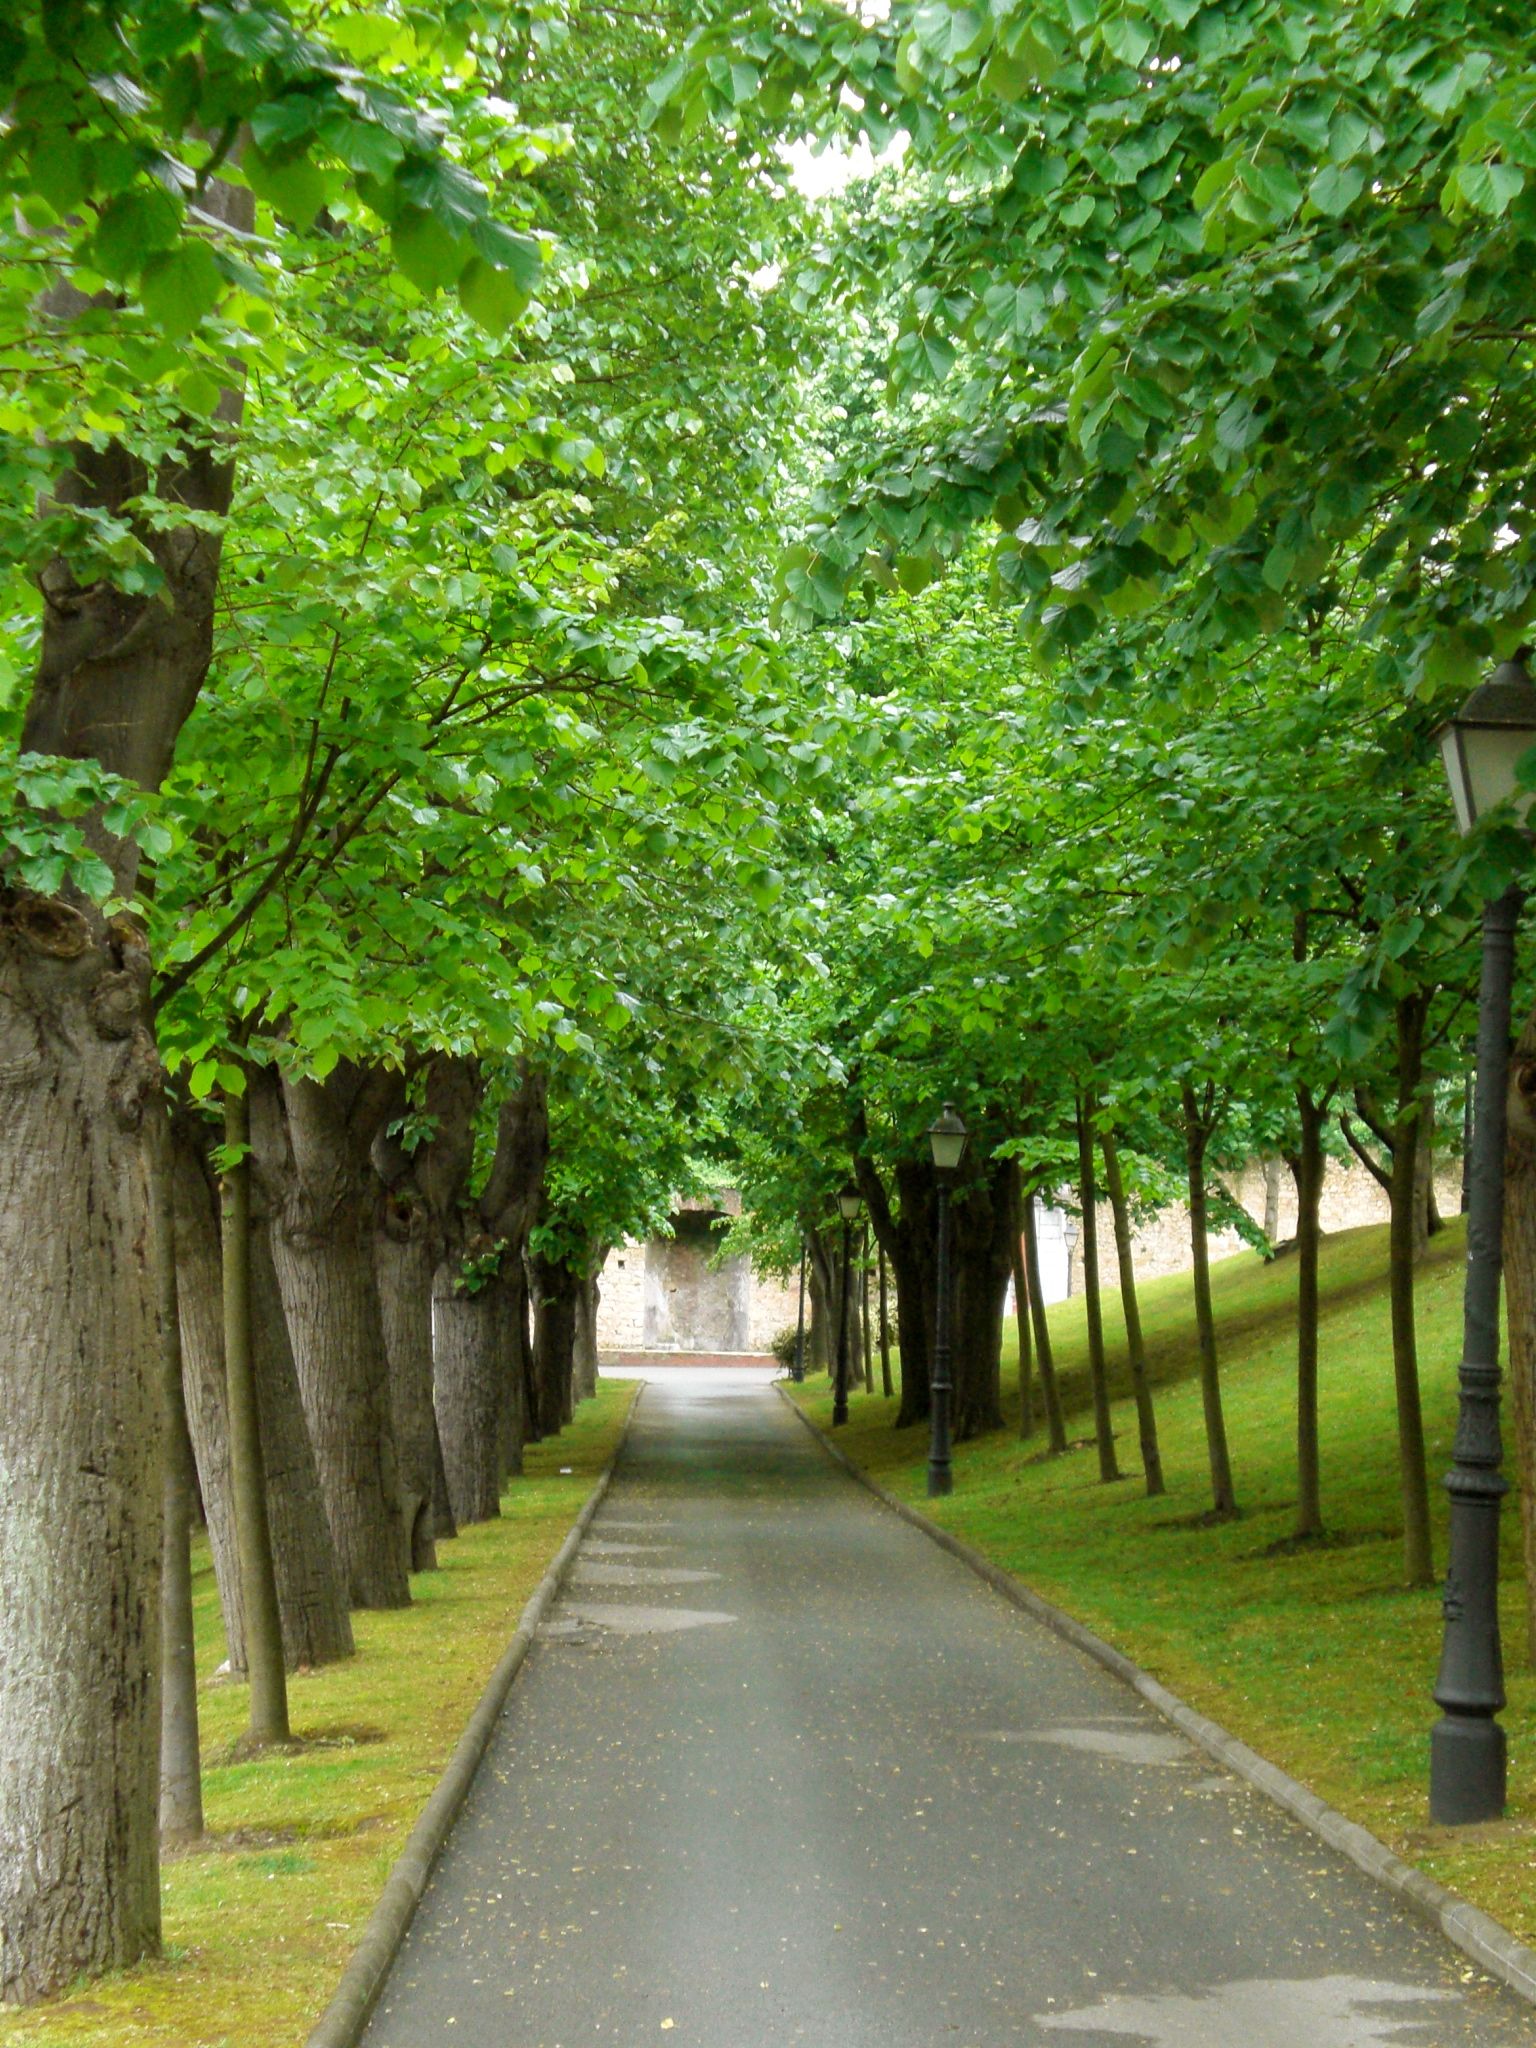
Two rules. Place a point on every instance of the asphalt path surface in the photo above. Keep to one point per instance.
(780, 1770)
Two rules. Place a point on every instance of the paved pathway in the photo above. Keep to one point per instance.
(783, 1771)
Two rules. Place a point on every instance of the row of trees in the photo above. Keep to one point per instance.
(383, 420)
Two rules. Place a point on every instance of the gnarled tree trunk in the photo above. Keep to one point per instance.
(80, 1449)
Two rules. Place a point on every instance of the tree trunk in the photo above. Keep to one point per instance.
(1308, 1166)
(470, 1376)
(403, 1263)
(1272, 1202)
(585, 1385)
(555, 1288)
(1198, 1119)
(823, 1287)
(1418, 1558)
(869, 1346)
(313, 1142)
(80, 1448)
(906, 1235)
(1146, 1418)
(1050, 1390)
(981, 1226)
(444, 1527)
(1098, 1367)
(247, 1477)
(1426, 1217)
(316, 1627)
(181, 1772)
(1021, 1305)
(1520, 1296)
(887, 1385)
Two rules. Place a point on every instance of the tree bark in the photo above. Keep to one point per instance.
(1021, 1304)
(247, 1476)
(181, 1771)
(555, 1290)
(1098, 1367)
(1141, 1385)
(80, 1448)
(313, 1143)
(1050, 1389)
(1272, 1202)
(1308, 1166)
(316, 1627)
(869, 1344)
(403, 1264)
(586, 1335)
(906, 1235)
(80, 1433)
(1199, 1119)
(471, 1371)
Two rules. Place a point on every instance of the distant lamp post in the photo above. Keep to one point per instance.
(947, 1138)
(1482, 748)
(849, 1203)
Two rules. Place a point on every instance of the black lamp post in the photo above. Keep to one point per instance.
(1482, 748)
(797, 1370)
(947, 1137)
(849, 1202)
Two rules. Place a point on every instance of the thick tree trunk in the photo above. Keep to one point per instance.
(1130, 1308)
(444, 1527)
(1050, 1389)
(181, 1771)
(80, 1450)
(80, 1441)
(403, 1263)
(818, 1349)
(1520, 1297)
(471, 1372)
(555, 1288)
(247, 1473)
(1098, 1367)
(313, 1142)
(906, 1236)
(316, 1626)
(1308, 1166)
(982, 1225)
(1198, 1119)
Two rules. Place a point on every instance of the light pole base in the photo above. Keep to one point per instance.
(1467, 1770)
(940, 1480)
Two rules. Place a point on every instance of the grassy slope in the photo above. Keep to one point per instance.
(1317, 1658)
(258, 1929)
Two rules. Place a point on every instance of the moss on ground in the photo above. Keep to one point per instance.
(260, 1923)
(1316, 1656)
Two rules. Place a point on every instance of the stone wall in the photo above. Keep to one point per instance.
(664, 1295)
(1350, 1197)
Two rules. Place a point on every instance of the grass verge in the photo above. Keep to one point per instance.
(1315, 1656)
(260, 1921)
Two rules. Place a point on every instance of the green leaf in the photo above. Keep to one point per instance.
(492, 298)
(1336, 188)
(431, 257)
(180, 287)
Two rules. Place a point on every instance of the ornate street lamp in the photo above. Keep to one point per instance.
(849, 1202)
(947, 1137)
(1482, 748)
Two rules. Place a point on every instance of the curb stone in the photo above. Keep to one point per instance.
(1476, 1933)
(341, 2024)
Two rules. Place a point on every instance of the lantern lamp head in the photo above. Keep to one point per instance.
(1483, 744)
(849, 1201)
(947, 1136)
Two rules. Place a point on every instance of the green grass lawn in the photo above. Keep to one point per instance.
(1316, 1657)
(259, 1924)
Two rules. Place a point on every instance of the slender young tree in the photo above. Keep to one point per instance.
(1146, 1417)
